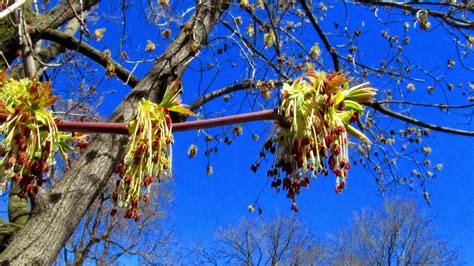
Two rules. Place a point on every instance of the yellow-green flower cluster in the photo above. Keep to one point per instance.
(148, 153)
(30, 135)
(318, 109)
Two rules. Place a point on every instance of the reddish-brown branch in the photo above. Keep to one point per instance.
(121, 128)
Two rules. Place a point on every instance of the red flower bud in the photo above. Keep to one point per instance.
(294, 207)
(22, 157)
(148, 180)
(31, 188)
(146, 199)
(328, 138)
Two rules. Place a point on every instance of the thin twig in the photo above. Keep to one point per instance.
(441, 105)
(89, 51)
(322, 36)
(380, 108)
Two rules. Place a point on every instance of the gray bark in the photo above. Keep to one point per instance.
(51, 20)
(56, 214)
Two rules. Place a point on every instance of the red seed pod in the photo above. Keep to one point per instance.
(272, 150)
(273, 184)
(268, 144)
(286, 183)
(305, 141)
(39, 182)
(82, 145)
(22, 157)
(347, 165)
(294, 207)
(341, 186)
(128, 213)
(10, 162)
(291, 193)
(18, 178)
(278, 182)
(332, 162)
(354, 118)
(146, 198)
(114, 197)
(336, 149)
(329, 99)
(20, 139)
(30, 188)
(341, 105)
(329, 139)
(254, 167)
(134, 203)
(306, 182)
(128, 180)
(113, 212)
(340, 129)
(28, 164)
(137, 216)
(342, 164)
(148, 180)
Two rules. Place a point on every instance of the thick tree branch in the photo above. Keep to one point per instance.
(73, 44)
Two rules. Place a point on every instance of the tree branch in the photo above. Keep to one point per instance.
(76, 45)
(232, 88)
(446, 17)
(380, 108)
(440, 106)
(329, 48)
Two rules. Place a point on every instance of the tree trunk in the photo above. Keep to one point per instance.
(56, 214)
(56, 17)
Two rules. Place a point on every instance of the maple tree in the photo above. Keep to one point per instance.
(313, 109)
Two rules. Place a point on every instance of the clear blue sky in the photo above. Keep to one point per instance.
(203, 203)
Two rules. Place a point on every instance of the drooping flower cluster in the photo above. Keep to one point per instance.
(318, 109)
(30, 136)
(148, 153)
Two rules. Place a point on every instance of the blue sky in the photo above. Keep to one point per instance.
(204, 203)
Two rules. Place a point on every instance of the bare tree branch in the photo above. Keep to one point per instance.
(321, 34)
(76, 45)
(380, 108)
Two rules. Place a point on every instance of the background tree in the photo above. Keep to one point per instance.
(282, 240)
(104, 239)
(264, 43)
(397, 233)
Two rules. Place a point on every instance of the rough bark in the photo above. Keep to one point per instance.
(56, 214)
(52, 19)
